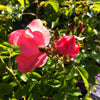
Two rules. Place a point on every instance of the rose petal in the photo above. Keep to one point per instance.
(30, 43)
(75, 52)
(38, 38)
(28, 47)
(46, 35)
(15, 37)
(36, 25)
(66, 45)
(27, 64)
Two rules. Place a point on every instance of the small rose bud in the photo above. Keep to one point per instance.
(80, 28)
(71, 26)
(56, 35)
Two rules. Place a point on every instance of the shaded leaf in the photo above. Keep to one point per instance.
(58, 97)
(75, 92)
(5, 89)
(70, 73)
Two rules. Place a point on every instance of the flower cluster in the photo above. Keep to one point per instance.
(32, 38)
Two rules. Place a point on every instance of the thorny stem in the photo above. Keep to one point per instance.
(10, 69)
(29, 14)
(37, 10)
(63, 67)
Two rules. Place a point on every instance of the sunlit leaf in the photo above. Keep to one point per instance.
(84, 72)
(24, 77)
(84, 79)
(2, 7)
(36, 75)
(21, 2)
(54, 5)
(88, 98)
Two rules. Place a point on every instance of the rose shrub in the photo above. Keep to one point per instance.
(66, 46)
(29, 41)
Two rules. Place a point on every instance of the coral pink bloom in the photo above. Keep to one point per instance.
(66, 46)
(29, 40)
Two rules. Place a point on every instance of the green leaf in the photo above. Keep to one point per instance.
(4, 52)
(55, 84)
(70, 74)
(24, 77)
(54, 5)
(84, 72)
(32, 86)
(88, 98)
(92, 68)
(43, 2)
(22, 91)
(58, 97)
(21, 2)
(75, 92)
(27, 2)
(94, 89)
(4, 47)
(96, 57)
(63, 86)
(97, 5)
(69, 97)
(30, 97)
(84, 79)
(2, 7)
(54, 24)
(5, 57)
(5, 89)
(6, 78)
(14, 54)
(36, 75)
(13, 84)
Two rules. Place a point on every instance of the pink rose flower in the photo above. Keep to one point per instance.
(66, 46)
(29, 41)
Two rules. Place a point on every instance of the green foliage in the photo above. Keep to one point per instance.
(5, 89)
(54, 80)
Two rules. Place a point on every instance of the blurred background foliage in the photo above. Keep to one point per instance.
(51, 80)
